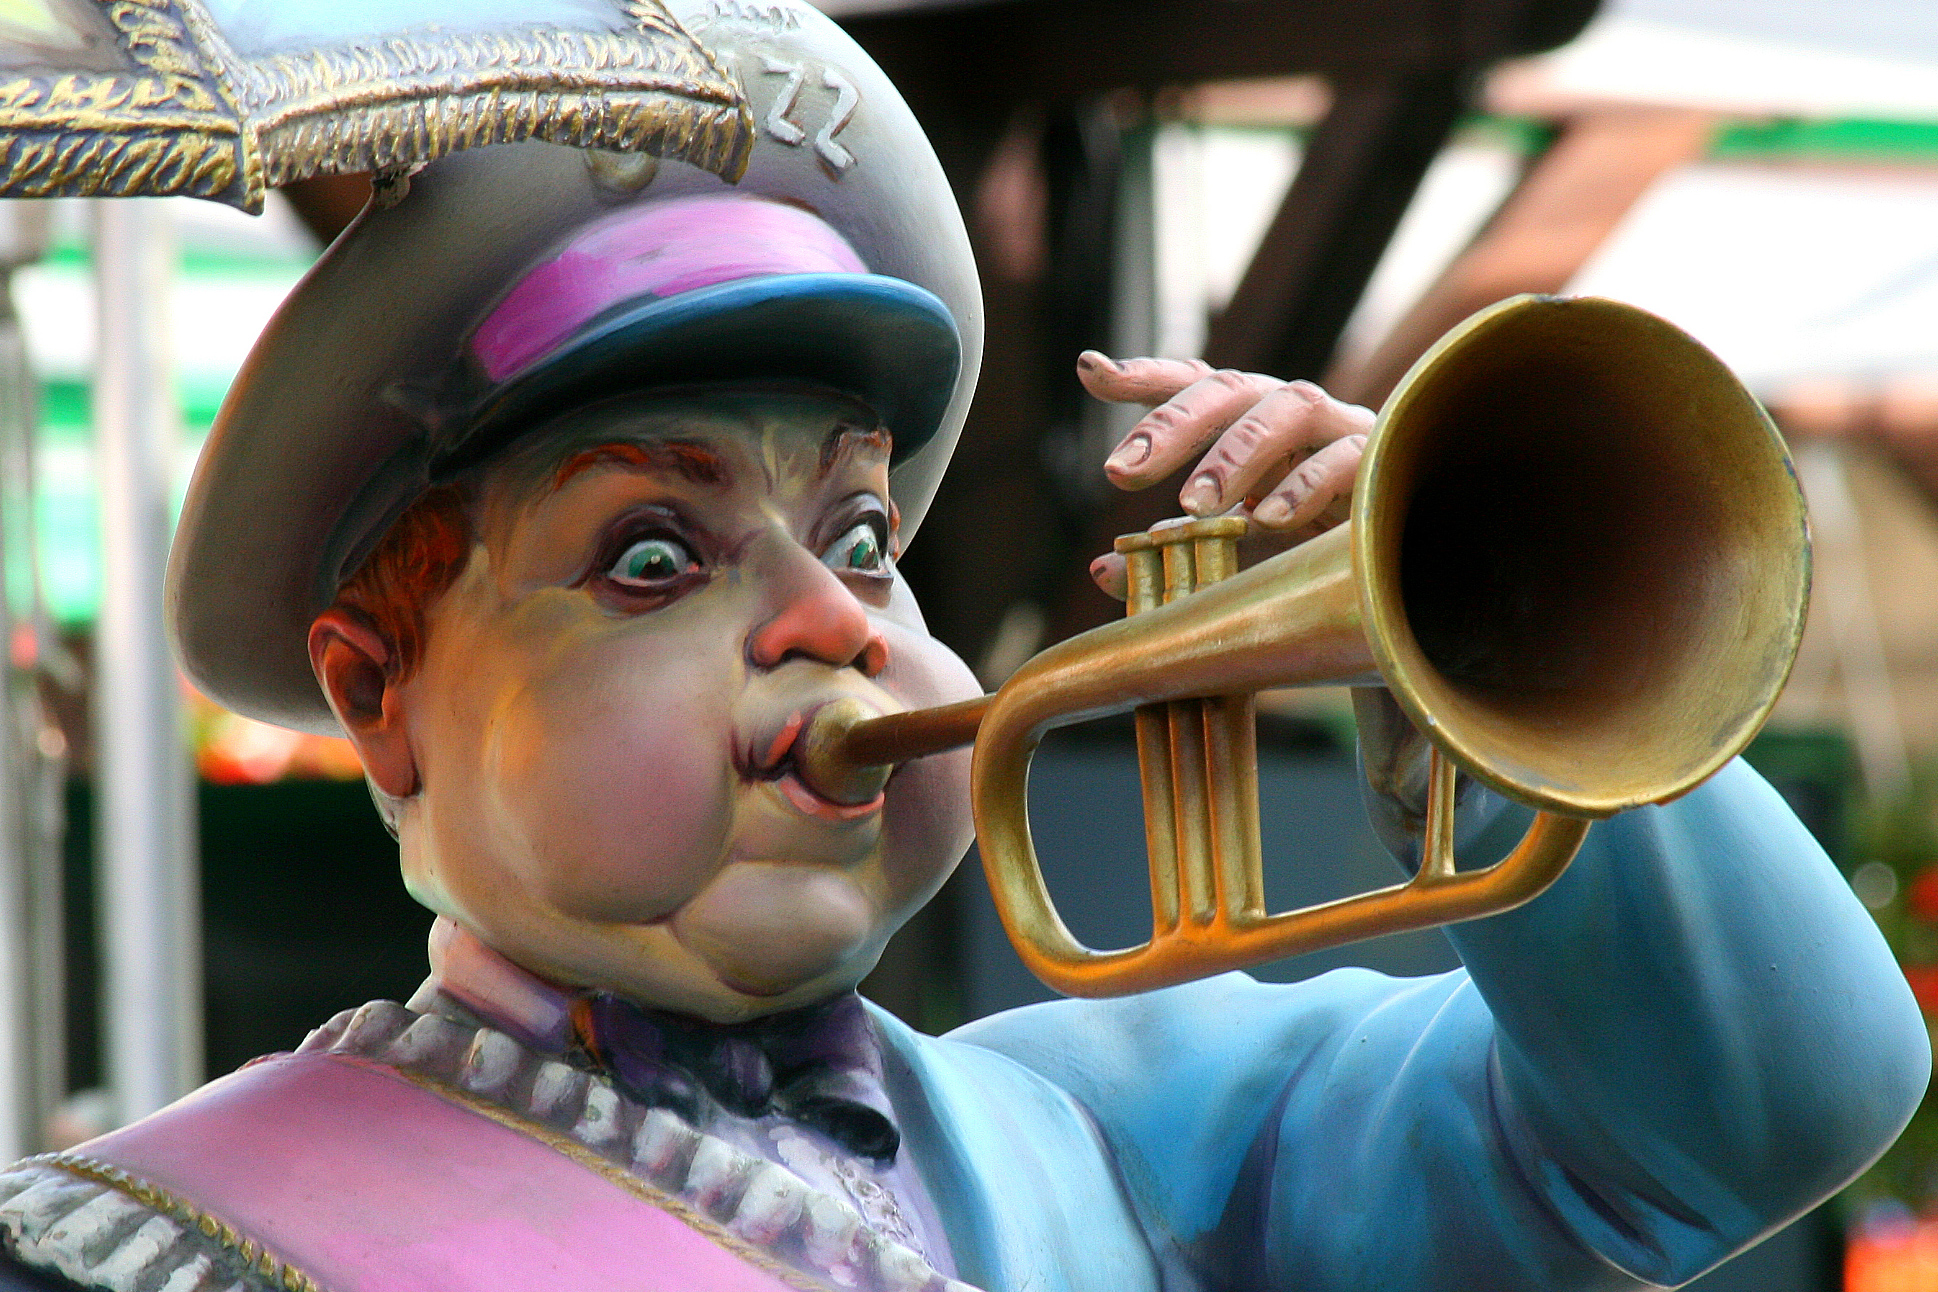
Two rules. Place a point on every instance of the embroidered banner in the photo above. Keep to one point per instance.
(347, 1176)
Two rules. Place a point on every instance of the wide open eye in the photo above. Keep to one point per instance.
(859, 551)
(652, 562)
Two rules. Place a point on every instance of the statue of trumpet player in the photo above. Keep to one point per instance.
(570, 486)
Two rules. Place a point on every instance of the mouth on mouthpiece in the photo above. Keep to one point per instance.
(817, 758)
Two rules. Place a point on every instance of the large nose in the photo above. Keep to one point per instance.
(815, 616)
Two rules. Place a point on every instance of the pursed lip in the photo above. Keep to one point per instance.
(797, 792)
(769, 756)
(769, 753)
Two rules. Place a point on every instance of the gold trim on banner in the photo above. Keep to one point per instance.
(256, 1258)
(644, 1190)
(192, 117)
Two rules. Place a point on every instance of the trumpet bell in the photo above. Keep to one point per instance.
(1579, 559)
(1582, 555)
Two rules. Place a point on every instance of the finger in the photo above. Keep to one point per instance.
(1294, 419)
(1311, 487)
(1170, 433)
(1137, 381)
(1111, 574)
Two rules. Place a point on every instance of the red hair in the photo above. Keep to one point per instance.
(404, 575)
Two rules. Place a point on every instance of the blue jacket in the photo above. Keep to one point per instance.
(1694, 1037)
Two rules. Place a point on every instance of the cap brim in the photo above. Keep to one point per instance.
(885, 341)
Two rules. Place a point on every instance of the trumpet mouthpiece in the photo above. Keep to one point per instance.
(848, 751)
(822, 759)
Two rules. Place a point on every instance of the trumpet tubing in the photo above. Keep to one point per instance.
(1188, 666)
(1579, 560)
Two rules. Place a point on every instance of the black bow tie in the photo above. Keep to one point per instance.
(819, 1066)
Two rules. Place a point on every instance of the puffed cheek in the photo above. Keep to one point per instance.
(921, 671)
(926, 825)
(627, 803)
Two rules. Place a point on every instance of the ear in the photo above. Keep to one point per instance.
(351, 661)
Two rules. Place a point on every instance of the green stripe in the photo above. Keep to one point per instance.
(1790, 137)
(1784, 138)
(68, 510)
(66, 407)
(195, 260)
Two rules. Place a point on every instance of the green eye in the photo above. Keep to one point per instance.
(858, 551)
(652, 560)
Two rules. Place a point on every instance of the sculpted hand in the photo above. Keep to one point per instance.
(1284, 453)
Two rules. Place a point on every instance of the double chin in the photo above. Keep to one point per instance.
(768, 929)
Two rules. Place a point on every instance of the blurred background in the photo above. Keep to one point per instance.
(1310, 188)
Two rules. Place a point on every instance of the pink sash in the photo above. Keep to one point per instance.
(359, 1178)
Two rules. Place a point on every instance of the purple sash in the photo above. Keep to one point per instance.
(365, 1181)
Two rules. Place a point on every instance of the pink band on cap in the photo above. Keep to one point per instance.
(654, 251)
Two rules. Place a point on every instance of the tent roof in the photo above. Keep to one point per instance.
(1897, 29)
(1775, 57)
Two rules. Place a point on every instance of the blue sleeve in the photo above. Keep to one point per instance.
(17, 1276)
(1694, 1037)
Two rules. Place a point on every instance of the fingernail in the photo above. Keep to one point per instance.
(1275, 510)
(1133, 452)
(1096, 361)
(1201, 494)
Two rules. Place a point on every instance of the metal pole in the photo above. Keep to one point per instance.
(19, 1116)
(32, 1055)
(151, 946)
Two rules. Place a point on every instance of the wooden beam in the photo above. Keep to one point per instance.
(1069, 49)
(1360, 170)
(1566, 205)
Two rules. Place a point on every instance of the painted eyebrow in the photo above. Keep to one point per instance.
(689, 461)
(844, 439)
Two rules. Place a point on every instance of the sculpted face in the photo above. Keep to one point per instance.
(662, 590)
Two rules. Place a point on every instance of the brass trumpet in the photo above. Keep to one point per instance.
(1577, 557)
